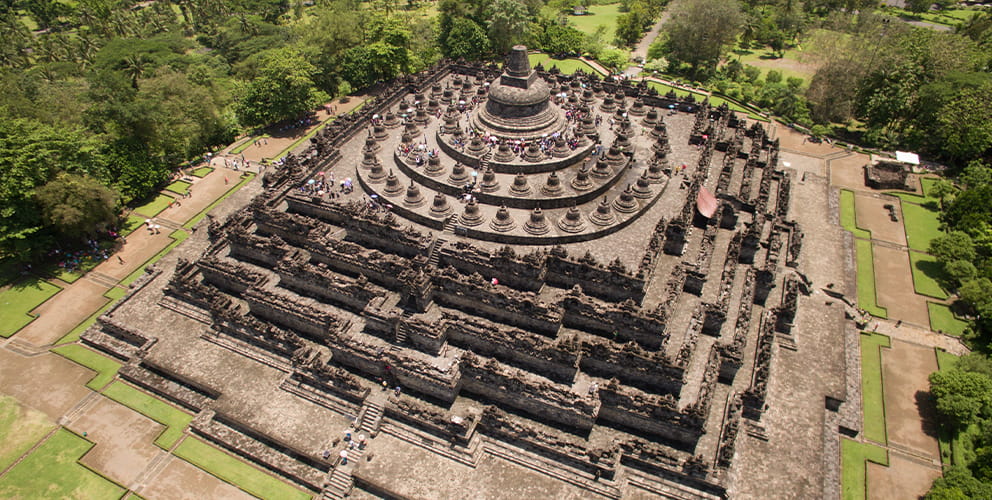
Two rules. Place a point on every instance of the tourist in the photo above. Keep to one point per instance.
(344, 457)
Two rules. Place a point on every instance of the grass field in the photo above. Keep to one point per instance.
(178, 187)
(854, 467)
(920, 199)
(113, 294)
(598, 15)
(173, 418)
(132, 224)
(52, 471)
(867, 297)
(566, 66)
(789, 65)
(926, 272)
(20, 428)
(921, 225)
(871, 386)
(17, 302)
(848, 215)
(155, 206)
(951, 447)
(942, 319)
(104, 367)
(235, 471)
(201, 172)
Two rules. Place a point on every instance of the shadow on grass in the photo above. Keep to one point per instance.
(934, 270)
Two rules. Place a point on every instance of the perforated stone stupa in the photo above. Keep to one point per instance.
(521, 262)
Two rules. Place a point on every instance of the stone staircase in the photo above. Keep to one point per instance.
(340, 482)
(434, 255)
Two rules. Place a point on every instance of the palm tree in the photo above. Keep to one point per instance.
(135, 66)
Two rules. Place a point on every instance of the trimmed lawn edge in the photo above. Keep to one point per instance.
(923, 283)
(174, 419)
(114, 294)
(178, 236)
(206, 457)
(867, 294)
(46, 289)
(105, 368)
(872, 386)
(942, 320)
(854, 467)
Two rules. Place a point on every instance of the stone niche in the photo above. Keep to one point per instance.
(888, 174)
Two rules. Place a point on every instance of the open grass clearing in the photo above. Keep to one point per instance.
(848, 215)
(174, 419)
(202, 172)
(854, 466)
(178, 187)
(867, 295)
(20, 428)
(19, 299)
(154, 206)
(596, 16)
(873, 400)
(104, 367)
(921, 225)
(566, 66)
(926, 275)
(919, 198)
(235, 471)
(942, 319)
(53, 471)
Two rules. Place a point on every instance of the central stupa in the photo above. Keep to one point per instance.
(519, 104)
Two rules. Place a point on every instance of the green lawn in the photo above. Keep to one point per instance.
(155, 206)
(921, 225)
(598, 15)
(566, 66)
(248, 143)
(173, 418)
(132, 224)
(53, 471)
(17, 302)
(942, 319)
(202, 172)
(20, 428)
(113, 294)
(235, 471)
(178, 236)
(867, 297)
(854, 466)
(765, 60)
(848, 215)
(926, 272)
(919, 198)
(871, 386)
(104, 367)
(179, 187)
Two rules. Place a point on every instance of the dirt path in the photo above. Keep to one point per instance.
(61, 313)
(641, 50)
(873, 216)
(909, 411)
(894, 286)
(123, 440)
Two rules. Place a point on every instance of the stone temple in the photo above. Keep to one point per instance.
(578, 286)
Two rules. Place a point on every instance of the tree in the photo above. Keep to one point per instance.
(466, 39)
(558, 39)
(76, 206)
(507, 24)
(960, 395)
(956, 245)
(918, 5)
(283, 89)
(699, 31)
(957, 483)
(33, 154)
(942, 189)
(613, 59)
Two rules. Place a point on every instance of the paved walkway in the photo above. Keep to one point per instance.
(641, 50)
